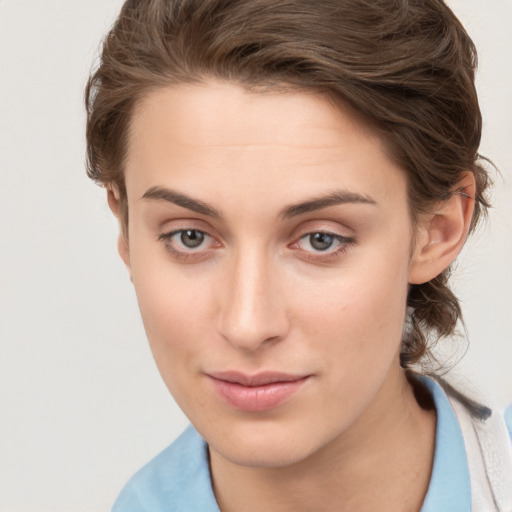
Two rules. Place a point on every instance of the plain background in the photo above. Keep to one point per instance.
(82, 404)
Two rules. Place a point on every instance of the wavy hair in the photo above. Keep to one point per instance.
(405, 66)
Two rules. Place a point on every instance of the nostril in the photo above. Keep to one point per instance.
(250, 332)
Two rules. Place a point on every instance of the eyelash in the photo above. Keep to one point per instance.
(320, 256)
(329, 254)
(184, 254)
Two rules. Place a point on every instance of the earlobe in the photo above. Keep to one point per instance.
(442, 233)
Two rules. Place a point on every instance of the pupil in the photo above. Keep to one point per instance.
(321, 241)
(192, 238)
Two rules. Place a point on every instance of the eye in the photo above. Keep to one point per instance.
(322, 246)
(322, 242)
(188, 243)
(191, 238)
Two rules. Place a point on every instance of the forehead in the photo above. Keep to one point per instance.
(223, 135)
(295, 117)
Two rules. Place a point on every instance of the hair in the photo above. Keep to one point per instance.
(405, 66)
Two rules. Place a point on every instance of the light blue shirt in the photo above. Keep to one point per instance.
(178, 479)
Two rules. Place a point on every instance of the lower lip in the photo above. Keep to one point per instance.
(256, 398)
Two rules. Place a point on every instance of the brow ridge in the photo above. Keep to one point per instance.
(179, 199)
(333, 199)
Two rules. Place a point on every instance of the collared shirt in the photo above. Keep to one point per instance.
(178, 479)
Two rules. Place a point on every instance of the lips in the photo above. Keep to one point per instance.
(256, 393)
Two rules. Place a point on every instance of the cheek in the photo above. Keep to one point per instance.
(175, 318)
(357, 317)
(176, 309)
(353, 331)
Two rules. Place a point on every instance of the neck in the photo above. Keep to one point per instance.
(382, 462)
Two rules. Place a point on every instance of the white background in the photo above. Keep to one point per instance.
(82, 404)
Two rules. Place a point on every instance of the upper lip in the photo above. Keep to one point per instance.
(258, 379)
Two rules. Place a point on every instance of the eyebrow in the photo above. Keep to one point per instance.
(179, 199)
(333, 199)
(195, 205)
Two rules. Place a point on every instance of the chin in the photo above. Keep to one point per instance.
(264, 446)
(264, 457)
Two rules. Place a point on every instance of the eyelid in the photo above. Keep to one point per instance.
(173, 232)
(211, 242)
(329, 228)
(340, 238)
(345, 243)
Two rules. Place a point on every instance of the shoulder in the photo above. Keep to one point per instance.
(176, 479)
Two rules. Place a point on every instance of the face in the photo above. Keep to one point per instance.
(269, 247)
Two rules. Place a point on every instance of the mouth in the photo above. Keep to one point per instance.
(256, 393)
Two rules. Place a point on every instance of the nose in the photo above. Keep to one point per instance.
(252, 311)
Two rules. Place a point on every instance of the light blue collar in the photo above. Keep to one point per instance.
(450, 485)
(179, 479)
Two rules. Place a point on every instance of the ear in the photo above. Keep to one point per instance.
(442, 233)
(114, 202)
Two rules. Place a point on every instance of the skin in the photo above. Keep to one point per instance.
(257, 295)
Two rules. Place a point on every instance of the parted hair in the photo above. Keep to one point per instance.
(406, 67)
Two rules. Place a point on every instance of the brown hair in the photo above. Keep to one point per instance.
(406, 66)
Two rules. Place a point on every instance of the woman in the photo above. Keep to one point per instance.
(293, 180)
